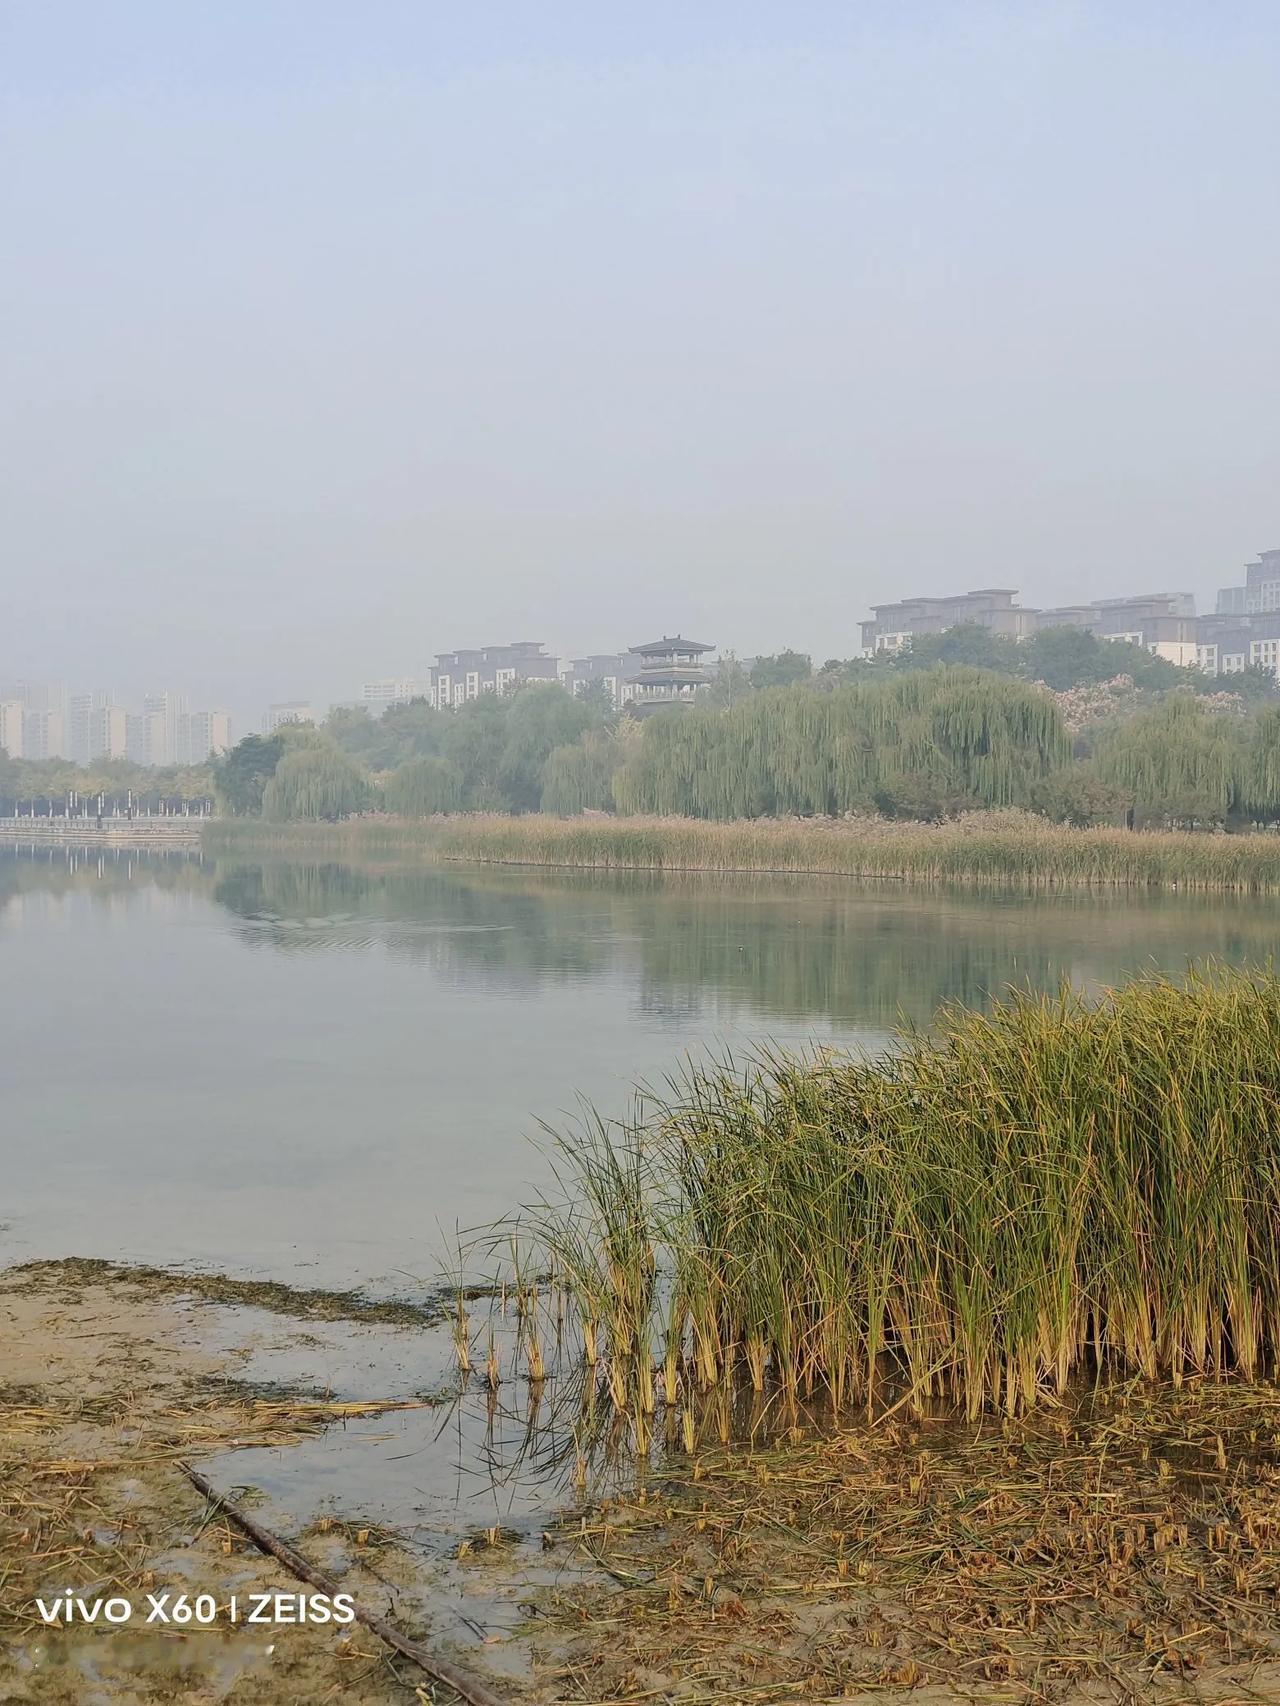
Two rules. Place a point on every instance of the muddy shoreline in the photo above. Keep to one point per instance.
(1121, 1552)
(110, 1380)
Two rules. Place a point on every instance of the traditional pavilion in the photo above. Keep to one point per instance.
(668, 672)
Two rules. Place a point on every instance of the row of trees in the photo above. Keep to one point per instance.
(917, 744)
(490, 755)
(1183, 764)
(55, 778)
(914, 743)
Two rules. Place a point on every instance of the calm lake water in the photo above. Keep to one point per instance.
(314, 1072)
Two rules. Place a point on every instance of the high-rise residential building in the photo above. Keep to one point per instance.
(37, 695)
(44, 735)
(108, 732)
(1260, 594)
(992, 608)
(81, 707)
(86, 727)
(12, 716)
(1163, 622)
(459, 676)
(43, 707)
(1244, 631)
(147, 738)
(379, 696)
(169, 707)
(78, 727)
(202, 735)
(287, 711)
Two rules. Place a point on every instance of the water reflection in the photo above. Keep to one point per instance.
(796, 948)
(316, 1071)
(865, 955)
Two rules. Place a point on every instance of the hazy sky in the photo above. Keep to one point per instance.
(334, 335)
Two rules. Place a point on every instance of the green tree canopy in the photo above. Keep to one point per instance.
(1261, 773)
(918, 742)
(782, 669)
(1179, 763)
(729, 683)
(579, 777)
(411, 730)
(1071, 657)
(242, 774)
(597, 696)
(968, 644)
(539, 718)
(422, 787)
(315, 781)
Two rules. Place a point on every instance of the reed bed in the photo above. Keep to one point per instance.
(1010, 849)
(1059, 1188)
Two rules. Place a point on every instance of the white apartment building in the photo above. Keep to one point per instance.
(12, 716)
(81, 707)
(203, 735)
(108, 732)
(44, 735)
(171, 708)
(459, 676)
(147, 738)
(35, 719)
(379, 696)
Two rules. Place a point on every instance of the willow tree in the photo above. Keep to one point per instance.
(1180, 763)
(578, 777)
(1261, 774)
(315, 782)
(423, 787)
(919, 743)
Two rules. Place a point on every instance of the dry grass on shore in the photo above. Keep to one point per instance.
(1123, 1553)
(1005, 848)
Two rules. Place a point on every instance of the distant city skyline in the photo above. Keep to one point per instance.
(46, 719)
(344, 685)
(152, 725)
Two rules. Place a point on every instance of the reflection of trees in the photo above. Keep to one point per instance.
(427, 914)
(872, 960)
(100, 874)
(798, 948)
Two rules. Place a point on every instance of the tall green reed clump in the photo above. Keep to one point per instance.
(1057, 1186)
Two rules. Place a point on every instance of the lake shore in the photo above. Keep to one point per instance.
(1089, 1553)
(997, 849)
(115, 1379)
(136, 834)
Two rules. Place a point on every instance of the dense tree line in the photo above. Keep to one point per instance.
(489, 755)
(55, 778)
(919, 744)
(906, 742)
